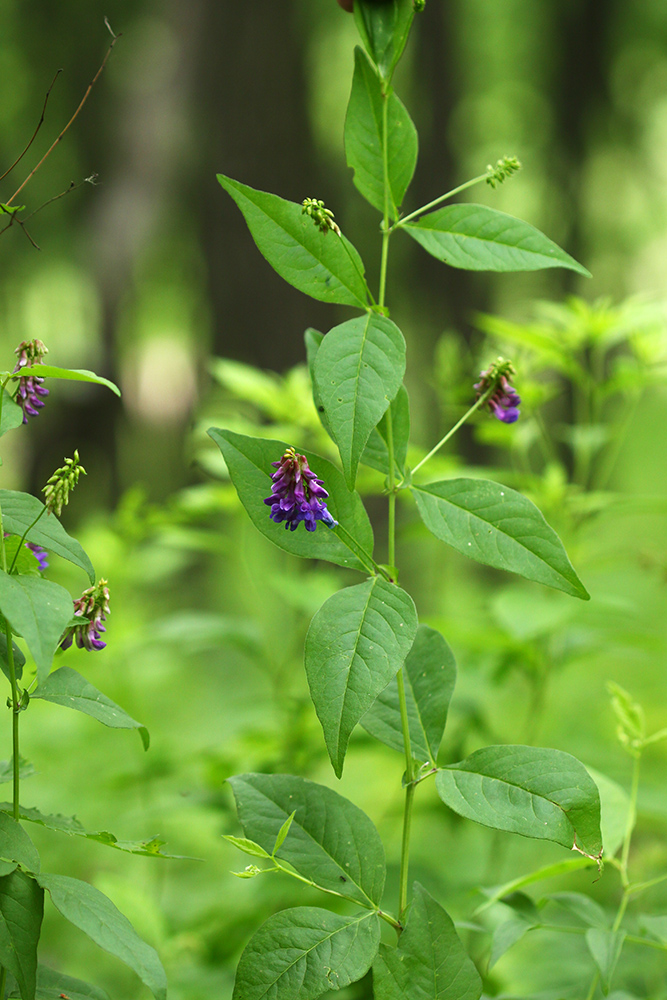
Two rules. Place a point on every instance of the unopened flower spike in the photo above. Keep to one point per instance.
(30, 387)
(503, 168)
(503, 400)
(419, 5)
(93, 608)
(297, 494)
(321, 216)
(62, 482)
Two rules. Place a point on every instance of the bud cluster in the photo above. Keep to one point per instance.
(503, 168)
(93, 607)
(321, 216)
(62, 482)
(30, 387)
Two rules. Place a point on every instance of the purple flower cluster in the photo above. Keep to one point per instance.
(297, 494)
(40, 554)
(504, 400)
(30, 387)
(93, 606)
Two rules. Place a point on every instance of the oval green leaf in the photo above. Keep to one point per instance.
(358, 370)
(68, 688)
(304, 952)
(498, 527)
(477, 238)
(429, 962)
(536, 792)
(12, 414)
(39, 611)
(356, 643)
(321, 264)
(384, 28)
(15, 844)
(71, 375)
(429, 678)
(249, 464)
(330, 841)
(21, 912)
(93, 913)
(364, 139)
(19, 510)
(376, 452)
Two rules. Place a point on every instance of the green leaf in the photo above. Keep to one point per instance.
(524, 917)
(282, 833)
(247, 846)
(54, 985)
(19, 658)
(16, 846)
(70, 374)
(356, 643)
(497, 893)
(21, 912)
(614, 812)
(19, 510)
(605, 947)
(39, 611)
(68, 688)
(321, 264)
(376, 452)
(499, 527)
(249, 463)
(93, 913)
(358, 370)
(26, 770)
(12, 414)
(430, 963)
(384, 28)
(477, 238)
(313, 339)
(629, 715)
(536, 792)
(304, 952)
(655, 926)
(363, 139)
(583, 907)
(429, 676)
(10, 209)
(331, 841)
(71, 826)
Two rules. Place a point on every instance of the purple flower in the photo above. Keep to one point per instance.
(30, 387)
(93, 607)
(504, 400)
(40, 554)
(297, 494)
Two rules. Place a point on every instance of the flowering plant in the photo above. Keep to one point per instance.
(40, 615)
(368, 659)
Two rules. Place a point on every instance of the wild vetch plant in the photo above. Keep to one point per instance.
(368, 659)
(41, 616)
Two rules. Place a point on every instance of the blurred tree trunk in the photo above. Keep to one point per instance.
(253, 87)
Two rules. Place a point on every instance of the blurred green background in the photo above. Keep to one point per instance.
(149, 273)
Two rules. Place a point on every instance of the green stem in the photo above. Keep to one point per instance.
(480, 402)
(3, 982)
(355, 264)
(437, 201)
(409, 799)
(363, 556)
(15, 724)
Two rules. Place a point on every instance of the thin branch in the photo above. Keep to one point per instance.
(74, 116)
(34, 134)
(56, 197)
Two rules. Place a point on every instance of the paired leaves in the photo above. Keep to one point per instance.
(356, 643)
(430, 963)
(364, 147)
(537, 792)
(39, 611)
(20, 510)
(330, 841)
(321, 264)
(249, 464)
(429, 678)
(306, 951)
(477, 238)
(499, 527)
(93, 913)
(67, 687)
(357, 371)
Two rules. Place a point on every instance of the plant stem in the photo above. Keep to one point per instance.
(363, 556)
(23, 538)
(15, 725)
(480, 402)
(437, 201)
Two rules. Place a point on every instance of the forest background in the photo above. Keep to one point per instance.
(149, 273)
